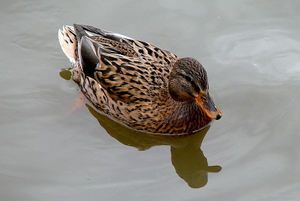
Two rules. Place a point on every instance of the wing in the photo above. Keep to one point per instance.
(129, 70)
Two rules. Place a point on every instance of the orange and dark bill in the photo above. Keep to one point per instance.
(208, 107)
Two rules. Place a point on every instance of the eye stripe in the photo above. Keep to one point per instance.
(189, 79)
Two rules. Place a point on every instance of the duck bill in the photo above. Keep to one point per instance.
(208, 107)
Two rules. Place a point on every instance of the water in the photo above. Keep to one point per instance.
(250, 50)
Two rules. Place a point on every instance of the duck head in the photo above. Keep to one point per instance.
(188, 83)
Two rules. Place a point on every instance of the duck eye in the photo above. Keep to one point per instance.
(188, 78)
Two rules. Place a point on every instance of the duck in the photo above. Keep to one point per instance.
(138, 84)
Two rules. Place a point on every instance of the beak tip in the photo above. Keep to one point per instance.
(218, 116)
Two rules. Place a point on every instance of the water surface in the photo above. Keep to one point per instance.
(250, 50)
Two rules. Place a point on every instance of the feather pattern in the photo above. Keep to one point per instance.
(136, 83)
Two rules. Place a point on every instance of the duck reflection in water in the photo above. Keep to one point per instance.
(187, 157)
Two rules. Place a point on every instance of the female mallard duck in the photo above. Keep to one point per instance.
(138, 84)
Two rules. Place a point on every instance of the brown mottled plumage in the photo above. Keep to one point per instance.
(138, 84)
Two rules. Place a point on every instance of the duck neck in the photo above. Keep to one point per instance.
(189, 116)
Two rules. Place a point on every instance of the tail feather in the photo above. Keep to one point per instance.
(68, 42)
